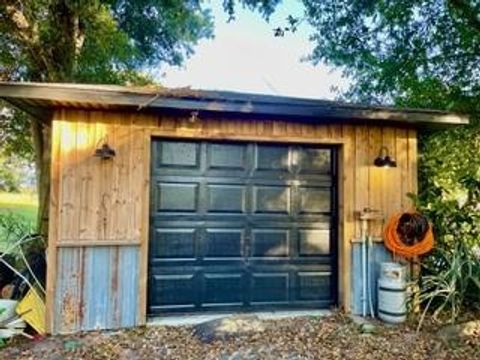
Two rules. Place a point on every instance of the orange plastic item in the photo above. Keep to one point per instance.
(394, 243)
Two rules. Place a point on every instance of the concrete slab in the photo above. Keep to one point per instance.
(190, 320)
(275, 315)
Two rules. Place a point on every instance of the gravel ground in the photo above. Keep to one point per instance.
(330, 337)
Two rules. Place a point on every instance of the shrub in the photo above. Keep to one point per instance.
(449, 195)
(449, 185)
(13, 227)
(450, 282)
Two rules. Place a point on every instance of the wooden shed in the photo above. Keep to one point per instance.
(180, 202)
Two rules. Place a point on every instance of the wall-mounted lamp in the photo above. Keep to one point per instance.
(105, 152)
(384, 159)
(193, 116)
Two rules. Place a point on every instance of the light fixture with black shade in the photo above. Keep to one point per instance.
(384, 159)
(105, 152)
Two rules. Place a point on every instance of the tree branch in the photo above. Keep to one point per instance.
(468, 11)
(27, 33)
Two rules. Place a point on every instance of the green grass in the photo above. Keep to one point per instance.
(22, 204)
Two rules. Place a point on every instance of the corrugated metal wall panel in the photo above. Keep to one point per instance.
(378, 255)
(97, 288)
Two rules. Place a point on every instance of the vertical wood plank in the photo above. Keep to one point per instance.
(54, 220)
(346, 213)
(97, 178)
(280, 128)
(68, 183)
(124, 168)
(269, 127)
(375, 178)
(391, 196)
(412, 161)
(362, 163)
(401, 136)
(85, 148)
(145, 153)
(336, 131)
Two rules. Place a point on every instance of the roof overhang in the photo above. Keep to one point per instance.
(40, 99)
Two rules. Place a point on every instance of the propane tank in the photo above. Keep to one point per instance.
(392, 293)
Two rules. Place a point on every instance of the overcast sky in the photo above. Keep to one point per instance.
(245, 56)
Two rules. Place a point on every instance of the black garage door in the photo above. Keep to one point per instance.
(241, 226)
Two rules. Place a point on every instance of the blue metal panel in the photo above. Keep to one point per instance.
(128, 292)
(67, 292)
(378, 254)
(97, 288)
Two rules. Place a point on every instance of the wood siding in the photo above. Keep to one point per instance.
(98, 202)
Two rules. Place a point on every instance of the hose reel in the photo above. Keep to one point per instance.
(409, 234)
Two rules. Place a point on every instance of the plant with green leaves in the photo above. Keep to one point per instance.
(415, 53)
(92, 41)
(96, 41)
(13, 227)
(451, 282)
(423, 54)
(449, 182)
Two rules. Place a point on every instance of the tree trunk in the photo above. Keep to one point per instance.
(41, 134)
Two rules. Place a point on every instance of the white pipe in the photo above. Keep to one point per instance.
(364, 266)
(29, 268)
(19, 243)
(369, 277)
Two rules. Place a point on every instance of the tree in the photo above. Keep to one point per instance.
(95, 41)
(15, 173)
(415, 53)
(424, 54)
(92, 41)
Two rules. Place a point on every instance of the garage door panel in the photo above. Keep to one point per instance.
(174, 291)
(268, 243)
(226, 198)
(177, 197)
(224, 243)
(313, 286)
(314, 161)
(272, 158)
(271, 199)
(226, 157)
(287, 221)
(177, 154)
(313, 242)
(174, 243)
(269, 288)
(241, 226)
(224, 290)
(314, 200)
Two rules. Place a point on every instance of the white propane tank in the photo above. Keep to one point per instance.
(392, 293)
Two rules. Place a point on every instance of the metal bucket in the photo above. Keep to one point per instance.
(392, 293)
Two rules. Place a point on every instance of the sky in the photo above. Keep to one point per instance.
(245, 56)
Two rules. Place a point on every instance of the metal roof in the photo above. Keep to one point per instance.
(40, 99)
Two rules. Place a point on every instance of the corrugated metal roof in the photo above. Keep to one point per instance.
(39, 98)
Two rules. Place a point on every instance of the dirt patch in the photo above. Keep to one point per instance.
(331, 337)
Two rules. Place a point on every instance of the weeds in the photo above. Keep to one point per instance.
(13, 226)
(450, 283)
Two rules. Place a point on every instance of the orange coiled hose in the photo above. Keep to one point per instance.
(394, 243)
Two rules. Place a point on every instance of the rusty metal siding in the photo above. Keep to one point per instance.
(97, 288)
